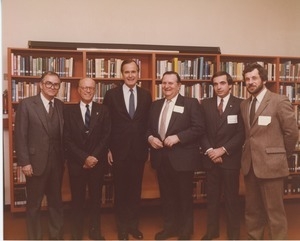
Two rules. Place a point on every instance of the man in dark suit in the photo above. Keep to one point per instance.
(271, 134)
(175, 126)
(86, 135)
(38, 132)
(129, 106)
(222, 145)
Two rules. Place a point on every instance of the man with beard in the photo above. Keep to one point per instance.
(271, 134)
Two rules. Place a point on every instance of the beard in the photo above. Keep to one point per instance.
(257, 90)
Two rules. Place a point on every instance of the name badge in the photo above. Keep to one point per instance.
(232, 119)
(178, 109)
(264, 120)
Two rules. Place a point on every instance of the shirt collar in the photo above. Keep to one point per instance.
(82, 104)
(174, 99)
(127, 89)
(225, 99)
(45, 100)
(261, 95)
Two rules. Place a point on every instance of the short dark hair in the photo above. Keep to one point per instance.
(49, 73)
(221, 73)
(172, 72)
(128, 61)
(263, 74)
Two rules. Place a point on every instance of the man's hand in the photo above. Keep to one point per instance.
(27, 170)
(110, 158)
(171, 140)
(90, 162)
(215, 153)
(155, 142)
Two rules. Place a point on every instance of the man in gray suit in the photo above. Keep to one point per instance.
(38, 131)
(271, 134)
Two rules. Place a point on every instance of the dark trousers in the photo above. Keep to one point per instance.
(93, 179)
(49, 184)
(128, 175)
(223, 182)
(176, 192)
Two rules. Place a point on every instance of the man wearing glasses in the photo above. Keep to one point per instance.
(38, 132)
(86, 133)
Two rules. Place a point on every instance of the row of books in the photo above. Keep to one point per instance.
(199, 91)
(235, 69)
(18, 175)
(294, 163)
(292, 184)
(202, 91)
(289, 71)
(106, 68)
(297, 147)
(20, 195)
(297, 113)
(36, 66)
(292, 91)
(198, 68)
(23, 89)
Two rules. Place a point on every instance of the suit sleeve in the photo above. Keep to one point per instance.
(288, 124)
(204, 142)
(21, 134)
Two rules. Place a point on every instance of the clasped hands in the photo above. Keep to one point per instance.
(168, 142)
(216, 154)
(90, 162)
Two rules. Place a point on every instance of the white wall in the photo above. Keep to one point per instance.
(247, 27)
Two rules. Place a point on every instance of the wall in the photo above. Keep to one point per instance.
(248, 27)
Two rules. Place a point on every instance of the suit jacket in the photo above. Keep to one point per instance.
(79, 142)
(271, 138)
(128, 135)
(31, 133)
(188, 126)
(226, 130)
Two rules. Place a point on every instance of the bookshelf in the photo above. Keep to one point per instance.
(26, 65)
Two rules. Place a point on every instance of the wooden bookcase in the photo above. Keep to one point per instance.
(75, 64)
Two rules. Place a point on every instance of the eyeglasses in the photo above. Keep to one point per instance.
(86, 88)
(49, 85)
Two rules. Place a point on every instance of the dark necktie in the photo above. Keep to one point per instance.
(220, 107)
(51, 108)
(131, 104)
(87, 117)
(162, 127)
(252, 110)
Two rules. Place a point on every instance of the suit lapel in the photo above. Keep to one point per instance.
(121, 101)
(77, 117)
(41, 111)
(59, 111)
(179, 102)
(94, 116)
(156, 113)
(227, 111)
(262, 106)
(139, 101)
